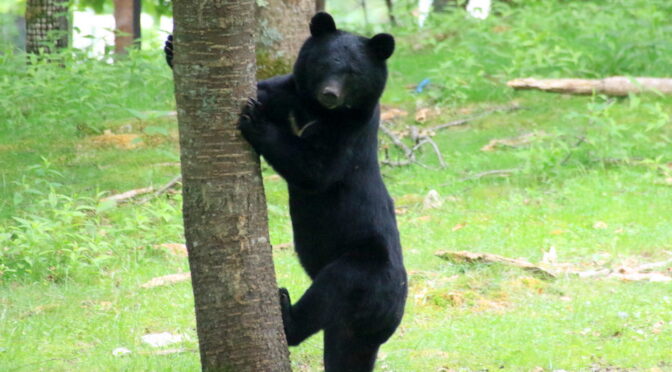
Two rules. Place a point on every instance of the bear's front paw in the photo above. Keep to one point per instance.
(168, 50)
(285, 301)
(285, 305)
(250, 122)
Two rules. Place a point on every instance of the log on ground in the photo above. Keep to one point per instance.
(611, 86)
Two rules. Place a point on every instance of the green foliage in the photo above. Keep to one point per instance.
(548, 39)
(156, 8)
(58, 237)
(77, 93)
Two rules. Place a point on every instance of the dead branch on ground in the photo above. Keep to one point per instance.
(177, 179)
(167, 280)
(423, 136)
(611, 86)
(493, 172)
(124, 196)
(459, 122)
(550, 270)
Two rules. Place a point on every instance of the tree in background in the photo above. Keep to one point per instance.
(282, 29)
(46, 25)
(236, 297)
(127, 21)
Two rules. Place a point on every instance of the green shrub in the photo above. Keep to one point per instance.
(545, 39)
(58, 237)
(76, 93)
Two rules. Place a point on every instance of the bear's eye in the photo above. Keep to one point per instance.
(353, 71)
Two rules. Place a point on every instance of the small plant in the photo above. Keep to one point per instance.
(59, 236)
(75, 94)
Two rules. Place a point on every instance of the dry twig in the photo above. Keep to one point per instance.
(167, 280)
(423, 136)
(493, 172)
(638, 273)
(118, 198)
(163, 189)
(480, 115)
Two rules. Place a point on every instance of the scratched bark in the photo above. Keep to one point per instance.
(237, 311)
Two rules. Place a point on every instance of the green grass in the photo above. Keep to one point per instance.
(71, 266)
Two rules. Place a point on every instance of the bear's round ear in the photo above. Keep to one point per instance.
(322, 23)
(382, 45)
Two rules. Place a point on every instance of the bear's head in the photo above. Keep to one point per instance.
(341, 71)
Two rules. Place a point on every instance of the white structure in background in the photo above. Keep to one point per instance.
(424, 6)
(479, 8)
(92, 31)
(96, 31)
(476, 8)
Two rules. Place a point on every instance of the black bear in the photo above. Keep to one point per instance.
(318, 129)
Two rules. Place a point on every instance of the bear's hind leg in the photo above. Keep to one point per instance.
(321, 305)
(343, 351)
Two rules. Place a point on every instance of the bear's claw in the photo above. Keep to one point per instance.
(168, 50)
(285, 301)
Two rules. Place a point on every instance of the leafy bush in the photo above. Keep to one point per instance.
(59, 236)
(76, 93)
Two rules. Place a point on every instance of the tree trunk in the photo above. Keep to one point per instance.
(46, 25)
(444, 5)
(124, 18)
(137, 26)
(237, 305)
(390, 12)
(320, 5)
(282, 29)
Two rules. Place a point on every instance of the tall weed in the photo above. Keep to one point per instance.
(57, 237)
(71, 93)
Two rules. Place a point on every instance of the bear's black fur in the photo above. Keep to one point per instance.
(318, 129)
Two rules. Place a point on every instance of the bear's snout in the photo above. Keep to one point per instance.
(331, 95)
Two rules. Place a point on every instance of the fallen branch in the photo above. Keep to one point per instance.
(494, 172)
(471, 257)
(439, 156)
(167, 280)
(650, 266)
(410, 155)
(480, 115)
(163, 189)
(424, 136)
(168, 164)
(638, 273)
(612, 86)
(168, 351)
(118, 198)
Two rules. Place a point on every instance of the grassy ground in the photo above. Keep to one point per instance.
(594, 184)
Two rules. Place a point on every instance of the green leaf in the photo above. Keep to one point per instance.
(153, 130)
(106, 205)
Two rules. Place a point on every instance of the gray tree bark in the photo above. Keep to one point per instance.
(46, 25)
(237, 308)
(282, 29)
